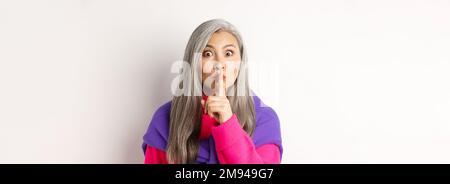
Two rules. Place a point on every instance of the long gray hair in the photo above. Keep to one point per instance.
(185, 115)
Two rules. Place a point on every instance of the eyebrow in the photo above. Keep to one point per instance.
(228, 45)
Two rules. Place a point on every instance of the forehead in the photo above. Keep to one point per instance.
(221, 38)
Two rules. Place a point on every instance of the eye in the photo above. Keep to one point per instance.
(229, 53)
(207, 53)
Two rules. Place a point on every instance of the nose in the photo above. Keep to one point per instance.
(218, 67)
(221, 63)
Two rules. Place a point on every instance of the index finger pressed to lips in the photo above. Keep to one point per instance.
(220, 89)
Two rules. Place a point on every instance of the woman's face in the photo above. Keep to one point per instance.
(223, 49)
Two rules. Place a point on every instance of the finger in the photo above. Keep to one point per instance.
(217, 98)
(216, 104)
(215, 109)
(210, 112)
(220, 86)
(214, 101)
(225, 81)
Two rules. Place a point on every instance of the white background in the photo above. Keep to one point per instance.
(352, 81)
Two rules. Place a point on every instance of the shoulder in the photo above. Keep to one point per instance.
(158, 130)
(264, 113)
(163, 112)
(267, 130)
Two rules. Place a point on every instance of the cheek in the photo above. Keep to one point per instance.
(232, 75)
(204, 69)
(207, 66)
(205, 76)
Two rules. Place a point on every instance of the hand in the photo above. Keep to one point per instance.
(218, 106)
